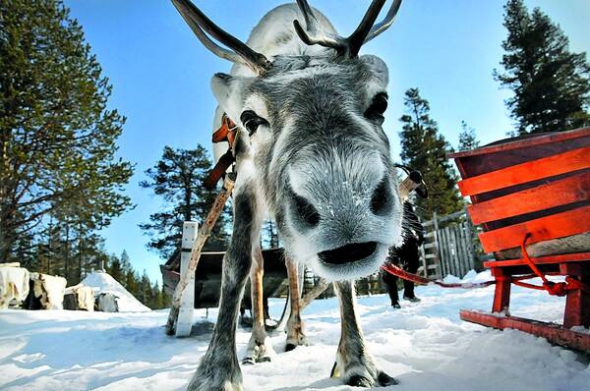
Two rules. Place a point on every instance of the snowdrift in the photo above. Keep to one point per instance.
(425, 345)
(103, 282)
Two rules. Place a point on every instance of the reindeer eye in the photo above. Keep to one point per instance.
(377, 108)
(252, 121)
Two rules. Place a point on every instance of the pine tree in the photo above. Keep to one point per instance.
(145, 289)
(467, 138)
(115, 269)
(57, 137)
(131, 282)
(551, 85)
(125, 261)
(178, 177)
(424, 149)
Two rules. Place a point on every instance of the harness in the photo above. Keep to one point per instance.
(225, 133)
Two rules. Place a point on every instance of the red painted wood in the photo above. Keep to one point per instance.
(552, 332)
(509, 179)
(550, 138)
(502, 292)
(559, 225)
(553, 259)
(572, 189)
(575, 269)
(577, 159)
(577, 307)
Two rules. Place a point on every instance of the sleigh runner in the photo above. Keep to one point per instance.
(532, 198)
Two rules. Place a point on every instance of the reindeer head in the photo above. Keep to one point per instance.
(312, 128)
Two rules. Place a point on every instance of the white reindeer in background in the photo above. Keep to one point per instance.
(311, 152)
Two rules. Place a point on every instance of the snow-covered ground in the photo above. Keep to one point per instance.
(426, 346)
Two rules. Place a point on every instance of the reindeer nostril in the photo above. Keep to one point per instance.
(349, 253)
(380, 201)
(306, 211)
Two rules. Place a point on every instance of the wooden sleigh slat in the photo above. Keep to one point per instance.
(559, 225)
(525, 143)
(548, 260)
(577, 159)
(565, 191)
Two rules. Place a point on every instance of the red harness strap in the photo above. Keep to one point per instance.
(227, 132)
(399, 272)
(554, 288)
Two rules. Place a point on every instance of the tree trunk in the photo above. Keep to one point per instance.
(67, 252)
(79, 254)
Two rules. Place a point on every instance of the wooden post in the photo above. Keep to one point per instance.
(470, 247)
(202, 237)
(502, 292)
(577, 304)
(438, 253)
(423, 259)
(313, 294)
(184, 323)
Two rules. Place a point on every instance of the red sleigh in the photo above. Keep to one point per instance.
(535, 189)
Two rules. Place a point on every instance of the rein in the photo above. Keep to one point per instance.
(553, 288)
(401, 273)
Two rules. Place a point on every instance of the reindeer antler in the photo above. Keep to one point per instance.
(386, 22)
(351, 45)
(202, 25)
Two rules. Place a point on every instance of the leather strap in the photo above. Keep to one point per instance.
(227, 132)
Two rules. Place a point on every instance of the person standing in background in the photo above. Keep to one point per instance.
(407, 256)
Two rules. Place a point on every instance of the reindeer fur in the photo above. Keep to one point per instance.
(321, 168)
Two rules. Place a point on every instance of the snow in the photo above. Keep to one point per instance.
(103, 282)
(425, 345)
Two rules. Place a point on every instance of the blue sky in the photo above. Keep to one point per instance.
(160, 75)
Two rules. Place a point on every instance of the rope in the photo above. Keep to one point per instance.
(553, 288)
(399, 272)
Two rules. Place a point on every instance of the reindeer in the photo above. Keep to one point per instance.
(311, 153)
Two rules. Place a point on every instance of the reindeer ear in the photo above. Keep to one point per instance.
(221, 84)
(377, 67)
(229, 92)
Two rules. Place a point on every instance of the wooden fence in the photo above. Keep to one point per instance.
(450, 247)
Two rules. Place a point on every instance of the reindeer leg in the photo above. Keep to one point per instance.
(219, 369)
(259, 348)
(295, 335)
(353, 362)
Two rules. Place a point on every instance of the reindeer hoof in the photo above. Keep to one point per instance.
(248, 361)
(258, 352)
(295, 340)
(289, 347)
(359, 381)
(359, 370)
(385, 380)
